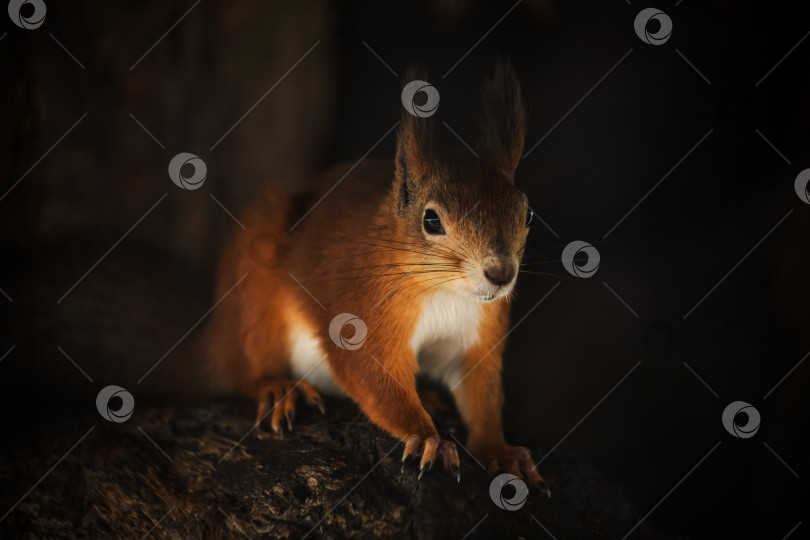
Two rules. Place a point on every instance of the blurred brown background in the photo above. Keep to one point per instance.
(590, 169)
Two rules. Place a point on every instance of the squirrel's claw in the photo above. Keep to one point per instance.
(455, 471)
(318, 402)
(535, 480)
(311, 395)
(449, 455)
(529, 470)
(429, 452)
(422, 470)
(411, 447)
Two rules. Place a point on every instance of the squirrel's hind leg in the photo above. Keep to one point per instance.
(278, 398)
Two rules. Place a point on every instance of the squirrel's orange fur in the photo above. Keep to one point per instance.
(364, 249)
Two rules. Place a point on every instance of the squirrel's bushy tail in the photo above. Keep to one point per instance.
(138, 320)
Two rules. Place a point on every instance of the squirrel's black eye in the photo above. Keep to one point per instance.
(432, 223)
(529, 215)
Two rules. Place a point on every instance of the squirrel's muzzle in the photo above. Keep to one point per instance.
(500, 272)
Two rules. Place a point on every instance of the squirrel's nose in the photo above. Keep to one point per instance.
(500, 273)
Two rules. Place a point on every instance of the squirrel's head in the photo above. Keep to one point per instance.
(463, 214)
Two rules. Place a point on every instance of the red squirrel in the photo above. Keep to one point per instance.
(425, 252)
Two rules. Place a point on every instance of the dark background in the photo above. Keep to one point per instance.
(588, 172)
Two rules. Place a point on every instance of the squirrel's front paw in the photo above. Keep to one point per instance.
(429, 449)
(515, 460)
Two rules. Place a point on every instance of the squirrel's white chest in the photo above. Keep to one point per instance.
(447, 327)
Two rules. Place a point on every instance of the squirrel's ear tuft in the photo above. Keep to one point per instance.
(414, 142)
(504, 118)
